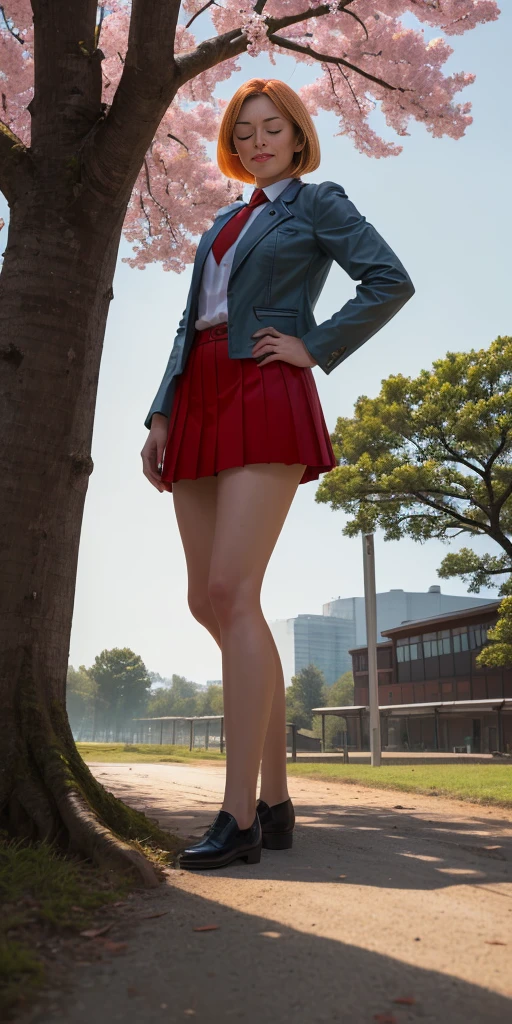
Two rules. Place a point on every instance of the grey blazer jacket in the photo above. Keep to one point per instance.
(279, 269)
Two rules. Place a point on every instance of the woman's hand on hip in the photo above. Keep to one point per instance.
(153, 450)
(271, 344)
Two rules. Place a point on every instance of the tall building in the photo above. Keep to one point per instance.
(325, 640)
(321, 640)
(395, 607)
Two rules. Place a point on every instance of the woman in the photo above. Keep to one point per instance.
(239, 419)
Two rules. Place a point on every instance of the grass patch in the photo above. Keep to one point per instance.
(46, 898)
(140, 753)
(478, 783)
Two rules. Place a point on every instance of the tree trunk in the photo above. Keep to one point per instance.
(55, 290)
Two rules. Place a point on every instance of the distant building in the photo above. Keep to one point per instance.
(319, 639)
(326, 640)
(430, 662)
(397, 606)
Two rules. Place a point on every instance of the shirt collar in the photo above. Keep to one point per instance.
(271, 191)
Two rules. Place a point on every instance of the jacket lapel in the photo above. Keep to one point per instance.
(261, 225)
(272, 214)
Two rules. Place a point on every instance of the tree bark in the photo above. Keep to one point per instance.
(55, 291)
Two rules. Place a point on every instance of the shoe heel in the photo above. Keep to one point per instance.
(278, 840)
(254, 856)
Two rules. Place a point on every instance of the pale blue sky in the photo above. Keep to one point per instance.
(444, 208)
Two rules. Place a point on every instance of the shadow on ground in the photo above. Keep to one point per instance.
(416, 852)
(252, 968)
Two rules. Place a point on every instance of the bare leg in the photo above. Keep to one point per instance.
(274, 785)
(195, 505)
(252, 505)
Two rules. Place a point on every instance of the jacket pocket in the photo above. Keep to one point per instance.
(264, 312)
(284, 320)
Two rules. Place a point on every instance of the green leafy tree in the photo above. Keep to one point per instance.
(307, 690)
(339, 695)
(210, 701)
(178, 699)
(123, 686)
(81, 693)
(431, 457)
(499, 651)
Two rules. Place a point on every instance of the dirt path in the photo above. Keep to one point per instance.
(384, 897)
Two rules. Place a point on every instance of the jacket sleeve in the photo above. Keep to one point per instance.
(164, 397)
(385, 286)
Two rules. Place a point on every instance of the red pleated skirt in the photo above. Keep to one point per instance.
(232, 412)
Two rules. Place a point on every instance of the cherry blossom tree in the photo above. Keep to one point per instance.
(105, 113)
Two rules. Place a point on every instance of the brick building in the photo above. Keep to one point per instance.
(431, 661)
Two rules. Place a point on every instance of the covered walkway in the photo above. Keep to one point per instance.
(489, 721)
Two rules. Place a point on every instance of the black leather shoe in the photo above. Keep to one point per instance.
(223, 843)
(277, 824)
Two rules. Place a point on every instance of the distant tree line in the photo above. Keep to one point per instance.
(103, 700)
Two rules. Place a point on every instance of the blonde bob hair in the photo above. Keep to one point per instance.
(290, 106)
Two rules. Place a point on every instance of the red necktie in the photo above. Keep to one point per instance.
(230, 232)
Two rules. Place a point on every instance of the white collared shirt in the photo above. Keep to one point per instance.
(212, 302)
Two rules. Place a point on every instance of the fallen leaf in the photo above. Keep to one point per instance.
(495, 942)
(146, 917)
(92, 933)
(114, 947)
(206, 928)
(405, 1001)
(342, 876)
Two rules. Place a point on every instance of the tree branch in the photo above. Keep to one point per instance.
(14, 162)
(470, 525)
(212, 51)
(326, 58)
(152, 75)
(504, 497)
(460, 458)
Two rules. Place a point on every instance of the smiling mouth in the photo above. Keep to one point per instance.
(266, 156)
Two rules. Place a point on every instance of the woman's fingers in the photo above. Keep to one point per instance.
(152, 454)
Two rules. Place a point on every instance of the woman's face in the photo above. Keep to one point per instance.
(261, 130)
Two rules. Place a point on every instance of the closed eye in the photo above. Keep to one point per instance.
(243, 138)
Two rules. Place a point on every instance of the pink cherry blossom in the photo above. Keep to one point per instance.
(388, 65)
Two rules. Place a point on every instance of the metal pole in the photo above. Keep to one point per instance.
(207, 734)
(500, 730)
(370, 600)
(345, 746)
(222, 735)
(294, 742)
(174, 732)
(191, 734)
(323, 734)
(161, 730)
